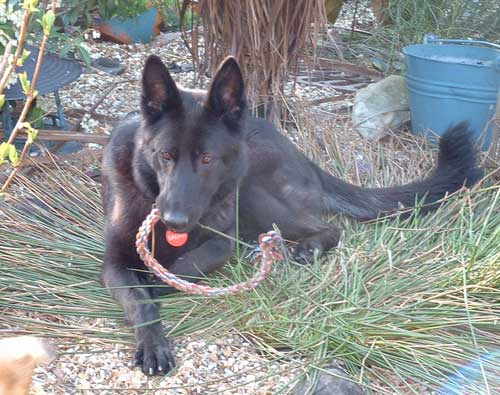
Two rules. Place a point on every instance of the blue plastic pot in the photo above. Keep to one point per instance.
(138, 29)
(450, 81)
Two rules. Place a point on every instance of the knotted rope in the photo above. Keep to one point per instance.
(267, 253)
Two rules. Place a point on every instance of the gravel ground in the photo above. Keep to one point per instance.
(228, 365)
(364, 15)
(125, 95)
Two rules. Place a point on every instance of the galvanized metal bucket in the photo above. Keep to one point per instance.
(450, 81)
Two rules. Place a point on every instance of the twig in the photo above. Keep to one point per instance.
(31, 164)
(20, 45)
(50, 160)
(328, 99)
(95, 106)
(24, 152)
(493, 156)
(29, 99)
(78, 112)
(5, 58)
(353, 24)
(194, 34)
(333, 39)
(76, 127)
(350, 68)
(31, 94)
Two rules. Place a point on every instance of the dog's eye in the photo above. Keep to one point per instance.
(205, 159)
(167, 155)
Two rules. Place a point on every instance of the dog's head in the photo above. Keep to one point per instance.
(190, 147)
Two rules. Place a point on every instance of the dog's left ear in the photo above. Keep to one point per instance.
(226, 96)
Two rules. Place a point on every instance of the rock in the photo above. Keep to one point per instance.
(186, 67)
(329, 384)
(166, 38)
(112, 66)
(381, 107)
(213, 357)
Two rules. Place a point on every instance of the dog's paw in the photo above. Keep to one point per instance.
(153, 354)
(308, 251)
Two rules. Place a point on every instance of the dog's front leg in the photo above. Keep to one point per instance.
(127, 287)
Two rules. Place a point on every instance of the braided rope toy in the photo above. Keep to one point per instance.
(267, 253)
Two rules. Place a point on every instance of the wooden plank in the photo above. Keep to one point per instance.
(61, 135)
(53, 160)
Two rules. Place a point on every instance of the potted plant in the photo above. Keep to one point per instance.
(127, 21)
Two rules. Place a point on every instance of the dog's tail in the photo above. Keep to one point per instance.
(457, 166)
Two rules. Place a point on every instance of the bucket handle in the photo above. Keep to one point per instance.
(431, 38)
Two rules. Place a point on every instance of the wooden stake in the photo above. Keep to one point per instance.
(493, 158)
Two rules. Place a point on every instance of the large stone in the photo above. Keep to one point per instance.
(381, 107)
(332, 381)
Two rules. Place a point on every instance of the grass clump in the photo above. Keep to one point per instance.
(402, 303)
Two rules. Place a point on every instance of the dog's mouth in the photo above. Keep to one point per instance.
(177, 228)
(177, 223)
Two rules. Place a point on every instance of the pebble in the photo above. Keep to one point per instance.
(204, 366)
(213, 356)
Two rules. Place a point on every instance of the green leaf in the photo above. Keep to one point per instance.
(9, 150)
(23, 57)
(30, 5)
(32, 135)
(4, 151)
(2, 101)
(23, 78)
(84, 55)
(31, 131)
(13, 155)
(64, 50)
(48, 21)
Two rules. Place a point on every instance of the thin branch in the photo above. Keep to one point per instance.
(27, 105)
(4, 62)
(92, 110)
(16, 169)
(31, 94)
(20, 45)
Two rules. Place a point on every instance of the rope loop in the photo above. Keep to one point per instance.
(267, 254)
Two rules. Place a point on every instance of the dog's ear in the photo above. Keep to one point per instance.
(226, 96)
(159, 93)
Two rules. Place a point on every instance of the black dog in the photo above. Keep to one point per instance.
(189, 154)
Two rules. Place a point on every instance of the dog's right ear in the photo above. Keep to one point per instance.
(160, 94)
(226, 96)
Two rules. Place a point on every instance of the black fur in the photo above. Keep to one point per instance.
(188, 154)
(456, 167)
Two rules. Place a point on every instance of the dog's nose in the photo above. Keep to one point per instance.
(175, 220)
